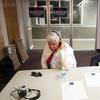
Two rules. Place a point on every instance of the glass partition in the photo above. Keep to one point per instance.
(77, 28)
(84, 24)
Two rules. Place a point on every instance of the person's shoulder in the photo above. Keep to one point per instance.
(66, 44)
(68, 47)
(46, 48)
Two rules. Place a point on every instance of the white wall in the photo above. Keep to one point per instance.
(20, 19)
(3, 25)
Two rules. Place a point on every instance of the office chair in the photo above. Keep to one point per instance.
(95, 61)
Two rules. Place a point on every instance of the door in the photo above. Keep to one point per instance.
(37, 28)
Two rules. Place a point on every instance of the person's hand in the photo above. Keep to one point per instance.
(62, 46)
(44, 68)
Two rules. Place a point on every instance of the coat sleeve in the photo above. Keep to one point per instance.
(67, 57)
(45, 55)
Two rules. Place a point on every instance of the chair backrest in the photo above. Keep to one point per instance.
(95, 60)
(21, 50)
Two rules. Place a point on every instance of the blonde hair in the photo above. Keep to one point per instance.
(53, 36)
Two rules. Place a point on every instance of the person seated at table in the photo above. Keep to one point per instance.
(57, 53)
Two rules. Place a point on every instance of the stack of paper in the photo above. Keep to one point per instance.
(73, 91)
(92, 79)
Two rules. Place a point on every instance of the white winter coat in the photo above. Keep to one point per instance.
(62, 58)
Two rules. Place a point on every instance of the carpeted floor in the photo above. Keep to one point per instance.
(34, 62)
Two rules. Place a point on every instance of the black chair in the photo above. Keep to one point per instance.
(7, 67)
(6, 71)
(95, 60)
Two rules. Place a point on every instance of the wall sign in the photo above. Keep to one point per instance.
(60, 12)
(36, 12)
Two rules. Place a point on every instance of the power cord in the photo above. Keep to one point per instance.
(26, 93)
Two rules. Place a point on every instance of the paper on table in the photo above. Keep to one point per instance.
(92, 79)
(73, 91)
